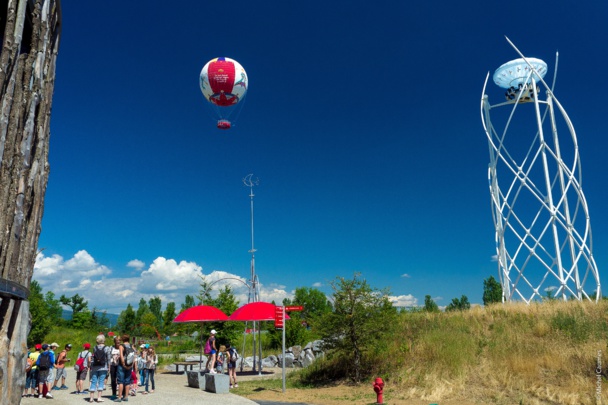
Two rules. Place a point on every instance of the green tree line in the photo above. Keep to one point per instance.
(355, 323)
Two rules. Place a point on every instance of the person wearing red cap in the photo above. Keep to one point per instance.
(31, 380)
(81, 375)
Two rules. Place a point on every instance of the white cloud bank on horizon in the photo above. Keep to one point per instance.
(108, 290)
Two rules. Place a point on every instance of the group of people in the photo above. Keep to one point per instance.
(119, 363)
(218, 357)
(43, 368)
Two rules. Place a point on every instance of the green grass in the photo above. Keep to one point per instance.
(544, 353)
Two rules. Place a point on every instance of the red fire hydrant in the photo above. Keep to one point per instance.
(379, 388)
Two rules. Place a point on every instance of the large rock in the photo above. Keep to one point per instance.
(270, 361)
(296, 350)
(309, 358)
(289, 359)
(248, 361)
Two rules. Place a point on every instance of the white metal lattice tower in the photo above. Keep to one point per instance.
(541, 218)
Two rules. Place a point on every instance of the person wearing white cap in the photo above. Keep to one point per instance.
(51, 376)
(211, 349)
(141, 362)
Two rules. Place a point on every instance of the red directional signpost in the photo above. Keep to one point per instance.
(279, 317)
(279, 320)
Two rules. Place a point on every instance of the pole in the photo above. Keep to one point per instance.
(283, 357)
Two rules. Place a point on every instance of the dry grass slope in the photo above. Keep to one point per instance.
(544, 353)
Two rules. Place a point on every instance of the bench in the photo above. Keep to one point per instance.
(185, 364)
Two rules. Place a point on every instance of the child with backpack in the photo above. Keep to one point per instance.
(100, 365)
(82, 367)
(45, 364)
(125, 368)
(233, 356)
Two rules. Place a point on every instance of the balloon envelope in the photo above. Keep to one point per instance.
(223, 82)
(201, 313)
(255, 311)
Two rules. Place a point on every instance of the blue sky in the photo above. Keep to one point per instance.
(361, 122)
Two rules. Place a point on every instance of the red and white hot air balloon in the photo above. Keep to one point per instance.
(224, 84)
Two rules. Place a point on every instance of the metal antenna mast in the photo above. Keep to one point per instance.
(250, 182)
(254, 294)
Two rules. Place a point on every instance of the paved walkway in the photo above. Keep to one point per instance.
(171, 389)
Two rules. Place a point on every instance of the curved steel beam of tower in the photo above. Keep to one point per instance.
(541, 218)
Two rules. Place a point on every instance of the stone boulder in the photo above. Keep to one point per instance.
(289, 360)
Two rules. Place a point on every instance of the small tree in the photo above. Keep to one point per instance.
(126, 320)
(83, 320)
(492, 291)
(168, 317)
(41, 319)
(54, 307)
(188, 302)
(459, 304)
(360, 323)
(313, 300)
(147, 327)
(430, 305)
(76, 302)
(156, 306)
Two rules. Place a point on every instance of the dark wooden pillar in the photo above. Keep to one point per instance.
(31, 31)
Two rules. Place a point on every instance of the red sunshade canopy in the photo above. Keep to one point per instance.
(201, 313)
(255, 311)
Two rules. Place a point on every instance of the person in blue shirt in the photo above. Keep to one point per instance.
(45, 363)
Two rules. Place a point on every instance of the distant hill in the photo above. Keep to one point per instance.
(67, 315)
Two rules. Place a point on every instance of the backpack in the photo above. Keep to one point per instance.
(99, 356)
(128, 355)
(234, 356)
(30, 364)
(208, 347)
(79, 366)
(44, 361)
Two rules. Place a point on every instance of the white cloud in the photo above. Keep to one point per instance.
(405, 275)
(136, 264)
(112, 291)
(494, 258)
(168, 275)
(404, 300)
(72, 274)
(317, 284)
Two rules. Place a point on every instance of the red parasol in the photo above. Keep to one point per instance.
(255, 311)
(201, 313)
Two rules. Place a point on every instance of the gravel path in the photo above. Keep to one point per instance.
(171, 389)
